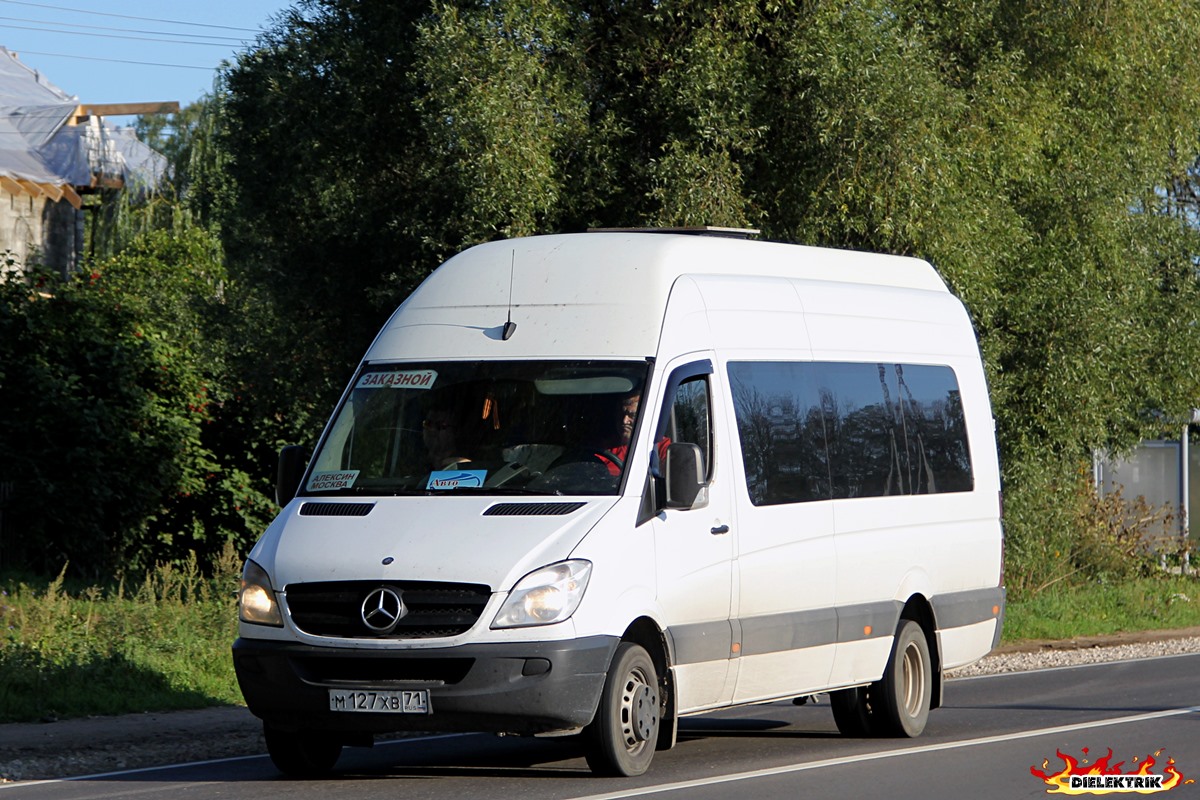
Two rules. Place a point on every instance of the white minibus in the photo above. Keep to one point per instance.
(589, 484)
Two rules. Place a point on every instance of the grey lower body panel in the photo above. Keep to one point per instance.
(794, 630)
(529, 687)
(959, 609)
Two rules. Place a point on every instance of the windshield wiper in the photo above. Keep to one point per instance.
(373, 491)
(501, 490)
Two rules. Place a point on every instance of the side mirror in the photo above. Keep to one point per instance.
(684, 476)
(292, 461)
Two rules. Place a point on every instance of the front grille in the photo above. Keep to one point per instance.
(435, 610)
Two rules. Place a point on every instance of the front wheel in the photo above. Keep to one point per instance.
(301, 754)
(622, 737)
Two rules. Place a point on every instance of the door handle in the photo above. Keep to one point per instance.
(718, 530)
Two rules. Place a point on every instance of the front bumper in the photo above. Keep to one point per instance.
(528, 687)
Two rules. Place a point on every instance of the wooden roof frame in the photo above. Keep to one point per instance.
(86, 111)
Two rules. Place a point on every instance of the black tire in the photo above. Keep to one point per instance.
(854, 711)
(898, 703)
(301, 754)
(622, 738)
(907, 683)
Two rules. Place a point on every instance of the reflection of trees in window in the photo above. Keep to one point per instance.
(754, 431)
(942, 457)
(691, 414)
(815, 458)
(783, 438)
(690, 421)
(865, 464)
(800, 472)
(813, 431)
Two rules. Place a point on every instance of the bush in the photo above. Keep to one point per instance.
(1060, 530)
(112, 384)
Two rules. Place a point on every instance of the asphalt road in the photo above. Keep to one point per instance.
(980, 745)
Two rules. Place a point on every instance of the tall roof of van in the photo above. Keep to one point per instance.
(586, 294)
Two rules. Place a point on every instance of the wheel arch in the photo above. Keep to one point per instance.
(645, 632)
(918, 609)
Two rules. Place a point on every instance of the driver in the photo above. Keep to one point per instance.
(440, 432)
(614, 457)
(447, 431)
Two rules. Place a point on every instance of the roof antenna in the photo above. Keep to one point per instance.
(510, 327)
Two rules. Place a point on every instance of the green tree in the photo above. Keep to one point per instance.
(1032, 152)
(110, 384)
(192, 183)
(175, 136)
(326, 148)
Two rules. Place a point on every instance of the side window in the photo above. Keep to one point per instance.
(690, 421)
(782, 419)
(820, 430)
(939, 456)
(867, 449)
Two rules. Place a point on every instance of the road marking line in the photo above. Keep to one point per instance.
(209, 762)
(736, 776)
(843, 760)
(99, 775)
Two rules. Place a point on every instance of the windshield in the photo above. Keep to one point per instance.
(551, 427)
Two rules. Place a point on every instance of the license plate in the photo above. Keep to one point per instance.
(381, 702)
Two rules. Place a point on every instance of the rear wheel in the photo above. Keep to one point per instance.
(854, 711)
(301, 754)
(622, 738)
(907, 682)
(898, 703)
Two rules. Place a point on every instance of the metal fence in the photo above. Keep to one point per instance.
(1164, 473)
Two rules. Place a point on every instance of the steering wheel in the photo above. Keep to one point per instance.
(609, 455)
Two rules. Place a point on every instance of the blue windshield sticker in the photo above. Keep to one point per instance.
(331, 481)
(444, 479)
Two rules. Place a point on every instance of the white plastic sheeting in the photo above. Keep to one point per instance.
(38, 144)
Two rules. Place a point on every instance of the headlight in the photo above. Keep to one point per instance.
(545, 596)
(256, 600)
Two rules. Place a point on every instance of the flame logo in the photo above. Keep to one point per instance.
(1077, 777)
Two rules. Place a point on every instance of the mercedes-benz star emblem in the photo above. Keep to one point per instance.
(382, 610)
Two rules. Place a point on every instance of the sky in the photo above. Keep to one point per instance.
(132, 51)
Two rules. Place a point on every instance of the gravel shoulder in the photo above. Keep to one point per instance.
(38, 751)
(71, 747)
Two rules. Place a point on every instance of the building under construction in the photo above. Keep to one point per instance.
(56, 151)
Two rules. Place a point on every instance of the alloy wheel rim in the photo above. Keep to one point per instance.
(914, 683)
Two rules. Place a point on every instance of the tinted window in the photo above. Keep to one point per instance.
(689, 419)
(816, 431)
(492, 427)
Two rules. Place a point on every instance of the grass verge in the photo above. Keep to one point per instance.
(161, 645)
(164, 644)
(1098, 608)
